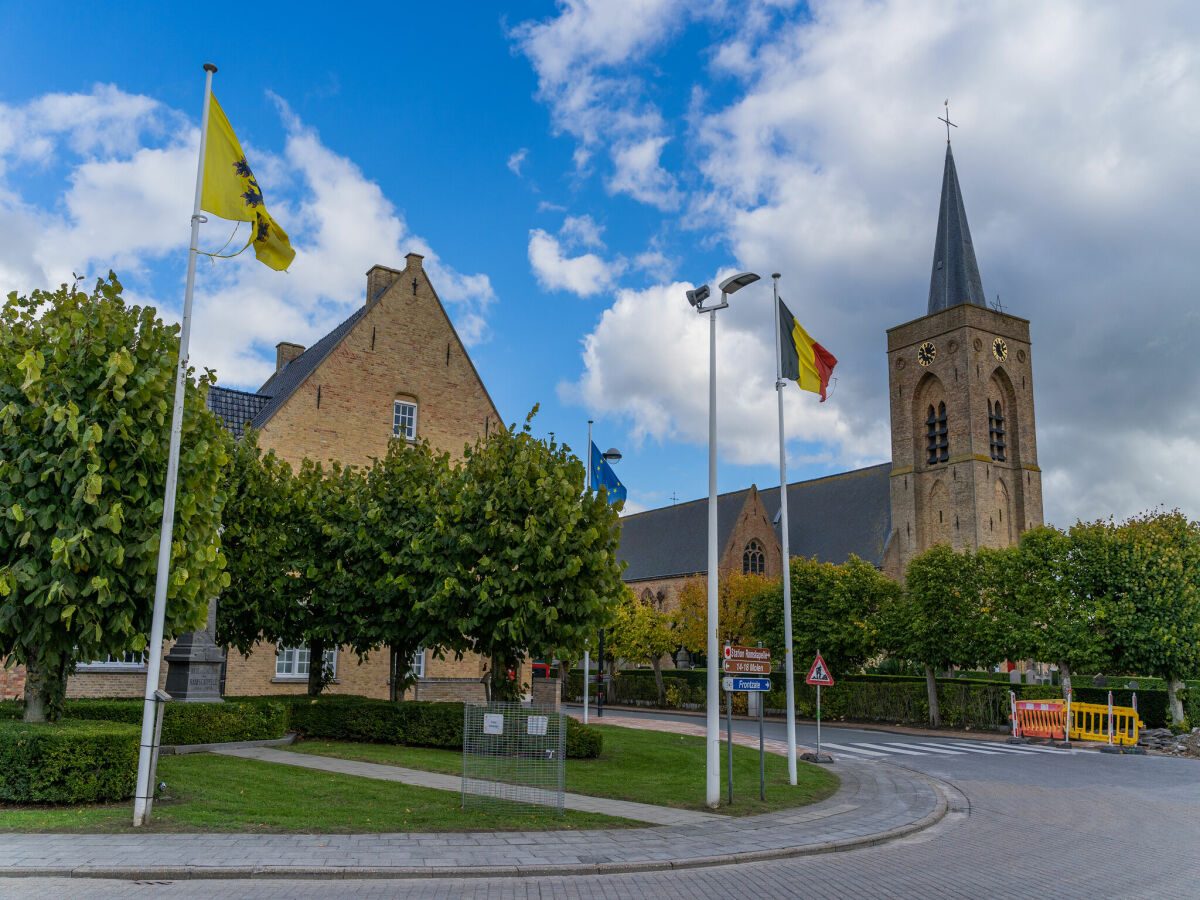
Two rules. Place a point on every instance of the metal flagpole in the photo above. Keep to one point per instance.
(587, 663)
(787, 568)
(144, 790)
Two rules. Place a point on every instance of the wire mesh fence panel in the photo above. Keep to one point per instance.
(513, 754)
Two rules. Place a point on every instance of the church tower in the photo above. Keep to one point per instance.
(964, 451)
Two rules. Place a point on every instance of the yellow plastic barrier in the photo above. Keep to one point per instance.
(1089, 722)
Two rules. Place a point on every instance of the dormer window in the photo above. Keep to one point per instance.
(996, 432)
(404, 420)
(754, 560)
(937, 442)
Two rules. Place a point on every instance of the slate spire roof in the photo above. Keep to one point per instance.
(955, 277)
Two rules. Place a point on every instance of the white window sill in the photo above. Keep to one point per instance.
(296, 679)
(109, 669)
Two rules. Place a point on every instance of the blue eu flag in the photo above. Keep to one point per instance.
(600, 473)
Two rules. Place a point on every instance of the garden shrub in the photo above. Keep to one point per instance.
(67, 762)
(345, 718)
(583, 741)
(194, 723)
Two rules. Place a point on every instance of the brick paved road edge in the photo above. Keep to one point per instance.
(942, 791)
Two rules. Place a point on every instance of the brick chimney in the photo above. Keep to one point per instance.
(413, 260)
(378, 279)
(285, 352)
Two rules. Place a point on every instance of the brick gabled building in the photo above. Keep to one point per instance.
(395, 369)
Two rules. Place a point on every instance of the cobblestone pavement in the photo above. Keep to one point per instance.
(1066, 843)
(1064, 825)
(873, 803)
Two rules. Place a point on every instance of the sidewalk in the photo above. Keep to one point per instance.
(876, 803)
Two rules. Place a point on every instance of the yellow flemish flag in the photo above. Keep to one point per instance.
(231, 191)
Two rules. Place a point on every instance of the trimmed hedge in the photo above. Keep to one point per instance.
(67, 762)
(349, 718)
(583, 741)
(185, 723)
(964, 702)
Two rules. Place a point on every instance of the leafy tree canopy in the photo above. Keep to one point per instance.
(86, 390)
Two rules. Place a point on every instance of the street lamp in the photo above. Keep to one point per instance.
(713, 739)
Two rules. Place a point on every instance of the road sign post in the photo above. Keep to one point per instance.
(762, 762)
(819, 675)
(741, 665)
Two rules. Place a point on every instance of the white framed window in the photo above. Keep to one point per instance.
(134, 659)
(404, 420)
(416, 665)
(295, 662)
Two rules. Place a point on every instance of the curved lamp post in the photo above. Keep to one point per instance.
(713, 738)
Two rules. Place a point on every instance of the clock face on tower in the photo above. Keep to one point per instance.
(1000, 349)
(926, 353)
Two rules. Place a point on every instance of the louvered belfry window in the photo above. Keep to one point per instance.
(937, 443)
(996, 432)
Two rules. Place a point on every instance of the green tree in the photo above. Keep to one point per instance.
(835, 610)
(1050, 607)
(396, 563)
(1154, 597)
(642, 634)
(937, 618)
(296, 562)
(735, 625)
(86, 390)
(532, 566)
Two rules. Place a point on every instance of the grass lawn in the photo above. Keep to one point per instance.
(645, 766)
(221, 793)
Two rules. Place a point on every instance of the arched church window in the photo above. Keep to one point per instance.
(937, 443)
(996, 432)
(754, 560)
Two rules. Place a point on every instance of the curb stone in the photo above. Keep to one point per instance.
(942, 790)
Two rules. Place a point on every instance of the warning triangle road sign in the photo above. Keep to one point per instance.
(819, 673)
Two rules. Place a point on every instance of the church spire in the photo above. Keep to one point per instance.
(955, 277)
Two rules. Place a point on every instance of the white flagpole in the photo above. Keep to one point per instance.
(587, 662)
(787, 568)
(144, 791)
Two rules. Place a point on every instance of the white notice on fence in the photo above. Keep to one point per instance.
(537, 724)
(493, 723)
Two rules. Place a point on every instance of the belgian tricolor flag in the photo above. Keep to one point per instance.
(802, 359)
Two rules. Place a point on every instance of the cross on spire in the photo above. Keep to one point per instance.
(946, 119)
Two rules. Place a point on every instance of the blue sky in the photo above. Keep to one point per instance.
(570, 168)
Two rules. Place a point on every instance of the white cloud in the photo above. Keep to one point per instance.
(825, 165)
(647, 361)
(516, 160)
(582, 58)
(582, 231)
(584, 275)
(126, 200)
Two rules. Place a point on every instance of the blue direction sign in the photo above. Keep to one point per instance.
(734, 683)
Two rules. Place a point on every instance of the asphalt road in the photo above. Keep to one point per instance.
(1064, 824)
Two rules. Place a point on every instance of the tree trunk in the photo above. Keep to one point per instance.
(935, 716)
(1174, 686)
(45, 690)
(35, 696)
(316, 666)
(658, 681)
(1064, 676)
(503, 688)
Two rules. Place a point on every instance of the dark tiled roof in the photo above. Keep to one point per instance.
(832, 517)
(235, 408)
(955, 277)
(674, 540)
(283, 384)
(829, 518)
